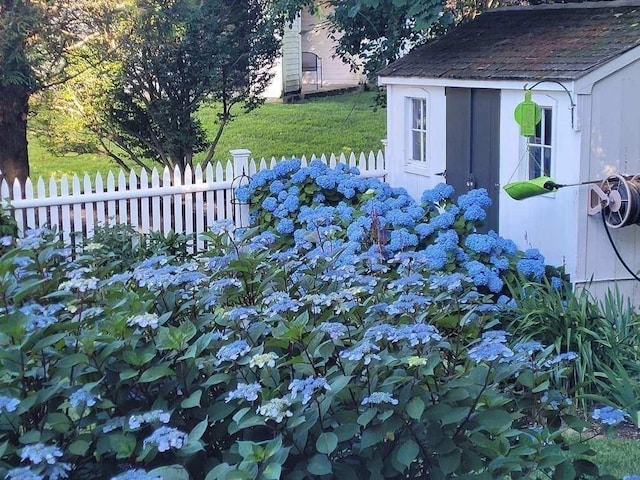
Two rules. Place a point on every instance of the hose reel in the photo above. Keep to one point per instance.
(618, 200)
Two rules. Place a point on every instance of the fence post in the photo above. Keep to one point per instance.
(240, 177)
(385, 146)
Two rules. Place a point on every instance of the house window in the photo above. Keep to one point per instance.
(419, 129)
(540, 146)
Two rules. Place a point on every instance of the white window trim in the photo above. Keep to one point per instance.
(420, 167)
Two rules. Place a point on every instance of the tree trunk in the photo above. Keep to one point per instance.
(14, 108)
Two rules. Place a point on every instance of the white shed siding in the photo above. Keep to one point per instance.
(315, 38)
(548, 222)
(614, 147)
(415, 180)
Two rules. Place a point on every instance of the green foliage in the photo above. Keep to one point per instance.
(174, 58)
(8, 225)
(254, 362)
(341, 124)
(605, 335)
(373, 33)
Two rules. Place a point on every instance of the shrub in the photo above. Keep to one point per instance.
(263, 358)
(604, 334)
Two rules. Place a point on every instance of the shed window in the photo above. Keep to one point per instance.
(540, 146)
(419, 129)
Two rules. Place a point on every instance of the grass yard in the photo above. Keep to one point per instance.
(345, 123)
(617, 457)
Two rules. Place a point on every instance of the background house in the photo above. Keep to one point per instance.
(451, 111)
(307, 62)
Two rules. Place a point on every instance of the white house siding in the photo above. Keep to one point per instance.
(315, 38)
(287, 70)
(613, 146)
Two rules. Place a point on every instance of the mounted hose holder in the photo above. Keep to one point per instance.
(617, 199)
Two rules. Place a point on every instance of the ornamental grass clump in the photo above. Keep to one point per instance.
(278, 355)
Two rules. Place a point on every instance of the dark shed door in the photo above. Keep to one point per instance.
(473, 144)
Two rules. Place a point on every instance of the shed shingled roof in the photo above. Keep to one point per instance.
(559, 42)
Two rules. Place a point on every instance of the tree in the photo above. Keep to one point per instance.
(143, 104)
(40, 42)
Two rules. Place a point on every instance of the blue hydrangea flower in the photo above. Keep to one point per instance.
(241, 313)
(417, 333)
(365, 351)
(166, 438)
(532, 264)
(280, 302)
(39, 316)
(448, 239)
(8, 404)
(437, 194)
(561, 357)
(491, 347)
(82, 398)
(144, 320)
(380, 332)
(285, 225)
(335, 330)
(479, 197)
(307, 387)
(425, 229)
(233, 351)
(436, 256)
(136, 421)
(377, 398)
(609, 415)
(475, 213)
(40, 453)
(452, 282)
(483, 276)
(631, 477)
(445, 220)
(556, 283)
(244, 391)
(23, 473)
(276, 187)
(480, 243)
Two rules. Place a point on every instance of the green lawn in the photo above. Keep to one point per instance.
(617, 457)
(344, 123)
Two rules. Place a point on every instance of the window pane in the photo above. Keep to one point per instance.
(535, 164)
(547, 162)
(418, 129)
(540, 147)
(547, 126)
(417, 113)
(416, 153)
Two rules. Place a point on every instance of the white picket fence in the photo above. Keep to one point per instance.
(166, 201)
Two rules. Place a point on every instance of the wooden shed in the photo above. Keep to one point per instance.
(451, 110)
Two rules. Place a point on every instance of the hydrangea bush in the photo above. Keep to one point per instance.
(276, 354)
(327, 209)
